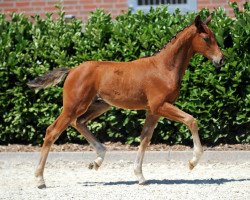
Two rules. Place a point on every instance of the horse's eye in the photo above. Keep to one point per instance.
(206, 39)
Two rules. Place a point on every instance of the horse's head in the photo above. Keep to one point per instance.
(205, 43)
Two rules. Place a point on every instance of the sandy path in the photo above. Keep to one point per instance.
(168, 179)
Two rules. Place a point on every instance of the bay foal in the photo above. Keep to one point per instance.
(150, 83)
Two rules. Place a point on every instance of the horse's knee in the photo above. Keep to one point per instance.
(192, 124)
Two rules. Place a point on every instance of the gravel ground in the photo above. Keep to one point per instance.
(117, 146)
(168, 179)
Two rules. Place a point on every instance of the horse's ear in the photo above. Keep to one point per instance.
(197, 21)
(199, 24)
(207, 21)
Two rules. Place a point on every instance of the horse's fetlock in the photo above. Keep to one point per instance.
(137, 171)
(101, 150)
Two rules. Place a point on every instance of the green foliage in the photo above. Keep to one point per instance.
(219, 99)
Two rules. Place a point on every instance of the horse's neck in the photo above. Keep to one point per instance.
(177, 54)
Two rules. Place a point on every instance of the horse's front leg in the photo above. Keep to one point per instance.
(146, 135)
(173, 113)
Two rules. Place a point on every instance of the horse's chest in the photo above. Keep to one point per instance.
(172, 92)
(172, 97)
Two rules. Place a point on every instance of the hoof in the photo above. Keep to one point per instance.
(41, 186)
(143, 183)
(40, 182)
(191, 165)
(94, 165)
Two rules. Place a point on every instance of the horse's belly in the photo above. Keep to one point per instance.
(125, 101)
(127, 105)
(122, 88)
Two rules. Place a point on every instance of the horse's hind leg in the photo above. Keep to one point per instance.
(52, 133)
(146, 135)
(97, 108)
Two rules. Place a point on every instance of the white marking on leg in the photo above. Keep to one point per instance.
(198, 151)
(138, 168)
(40, 182)
(146, 136)
(101, 151)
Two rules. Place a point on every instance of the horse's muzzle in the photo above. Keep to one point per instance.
(219, 62)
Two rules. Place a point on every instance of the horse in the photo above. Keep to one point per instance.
(150, 83)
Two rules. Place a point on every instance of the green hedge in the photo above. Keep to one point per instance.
(219, 99)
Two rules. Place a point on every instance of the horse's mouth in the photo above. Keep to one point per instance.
(219, 63)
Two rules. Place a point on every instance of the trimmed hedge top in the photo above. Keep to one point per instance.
(219, 99)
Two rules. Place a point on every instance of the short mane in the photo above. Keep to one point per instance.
(169, 42)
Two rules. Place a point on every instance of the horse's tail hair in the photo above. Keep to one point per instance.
(49, 79)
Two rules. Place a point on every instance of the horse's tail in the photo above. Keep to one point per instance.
(49, 79)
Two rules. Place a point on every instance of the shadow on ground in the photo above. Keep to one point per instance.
(168, 182)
